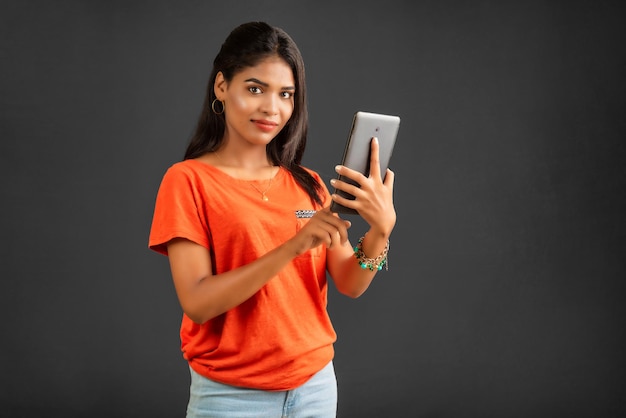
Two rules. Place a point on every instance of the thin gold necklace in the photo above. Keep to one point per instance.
(263, 196)
(263, 192)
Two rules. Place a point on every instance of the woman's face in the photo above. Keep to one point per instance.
(258, 101)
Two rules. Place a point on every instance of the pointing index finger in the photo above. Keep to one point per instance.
(375, 159)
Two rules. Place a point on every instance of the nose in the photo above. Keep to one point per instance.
(269, 106)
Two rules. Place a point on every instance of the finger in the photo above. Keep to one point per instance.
(349, 203)
(339, 233)
(330, 233)
(375, 159)
(325, 210)
(321, 234)
(335, 239)
(342, 230)
(389, 179)
(334, 219)
(346, 187)
(351, 174)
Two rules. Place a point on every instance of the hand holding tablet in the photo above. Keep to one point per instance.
(357, 153)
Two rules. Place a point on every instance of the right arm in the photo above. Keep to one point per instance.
(204, 296)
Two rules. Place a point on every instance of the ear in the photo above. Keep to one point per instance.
(220, 86)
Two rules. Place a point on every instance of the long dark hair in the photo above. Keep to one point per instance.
(246, 46)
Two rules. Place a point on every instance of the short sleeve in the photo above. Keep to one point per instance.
(178, 211)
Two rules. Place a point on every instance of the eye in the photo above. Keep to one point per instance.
(287, 94)
(255, 90)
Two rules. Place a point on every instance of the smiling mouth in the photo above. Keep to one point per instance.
(265, 125)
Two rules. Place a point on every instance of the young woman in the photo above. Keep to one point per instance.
(250, 237)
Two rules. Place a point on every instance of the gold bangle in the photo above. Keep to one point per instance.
(371, 263)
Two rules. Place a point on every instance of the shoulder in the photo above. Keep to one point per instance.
(188, 169)
(185, 167)
(184, 176)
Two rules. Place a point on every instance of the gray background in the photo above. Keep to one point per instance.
(506, 285)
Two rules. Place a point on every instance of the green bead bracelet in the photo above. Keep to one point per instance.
(371, 263)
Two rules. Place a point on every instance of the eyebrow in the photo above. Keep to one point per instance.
(257, 81)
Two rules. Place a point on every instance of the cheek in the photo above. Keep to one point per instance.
(238, 103)
(288, 109)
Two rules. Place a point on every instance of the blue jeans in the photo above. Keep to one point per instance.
(317, 398)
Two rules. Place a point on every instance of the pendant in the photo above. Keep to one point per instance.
(265, 198)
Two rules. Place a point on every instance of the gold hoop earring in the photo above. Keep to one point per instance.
(213, 107)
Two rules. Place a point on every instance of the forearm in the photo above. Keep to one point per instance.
(203, 295)
(373, 200)
(212, 295)
(350, 278)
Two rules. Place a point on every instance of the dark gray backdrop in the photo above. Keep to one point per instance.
(505, 291)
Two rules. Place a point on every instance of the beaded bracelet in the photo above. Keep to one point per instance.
(371, 263)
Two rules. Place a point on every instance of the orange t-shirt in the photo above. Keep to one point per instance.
(281, 336)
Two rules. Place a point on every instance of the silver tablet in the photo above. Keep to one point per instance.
(356, 156)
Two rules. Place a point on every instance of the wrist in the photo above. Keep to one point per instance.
(380, 232)
(382, 229)
(294, 247)
(369, 262)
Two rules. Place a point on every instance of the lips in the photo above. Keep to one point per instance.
(265, 125)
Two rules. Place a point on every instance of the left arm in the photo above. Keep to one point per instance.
(374, 203)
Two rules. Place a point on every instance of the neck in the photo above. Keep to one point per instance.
(251, 157)
(245, 167)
